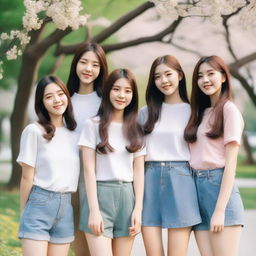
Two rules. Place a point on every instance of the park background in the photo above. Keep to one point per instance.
(133, 34)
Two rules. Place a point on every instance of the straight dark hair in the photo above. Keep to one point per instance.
(42, 113)
(154, 97)
(73, 79)
(201, 101)
(131, 129)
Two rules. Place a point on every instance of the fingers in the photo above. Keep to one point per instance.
(216, 228)
(97, 228)
(135, 228)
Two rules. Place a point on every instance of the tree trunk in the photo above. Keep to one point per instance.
(248, 151)
(26, 80)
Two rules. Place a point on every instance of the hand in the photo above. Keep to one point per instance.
(136, 222)
(217, 221)
(95, 223)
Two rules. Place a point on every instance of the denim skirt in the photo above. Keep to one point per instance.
(208, 187)
(170, 198)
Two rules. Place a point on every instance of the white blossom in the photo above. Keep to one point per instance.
(1, 70)
(4, 36)
(12, 53)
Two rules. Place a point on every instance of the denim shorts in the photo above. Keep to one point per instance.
(208, 186)
(116, 203)
(47, 216)
(170, 198)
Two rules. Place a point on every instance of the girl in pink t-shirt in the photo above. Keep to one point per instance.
(214, 133)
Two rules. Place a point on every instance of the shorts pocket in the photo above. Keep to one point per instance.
(40, 199)
(215, 178)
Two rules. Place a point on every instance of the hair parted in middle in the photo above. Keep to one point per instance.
(131, 129)
(154, 97)
(201, 101)
(41, 111)
(73, 79)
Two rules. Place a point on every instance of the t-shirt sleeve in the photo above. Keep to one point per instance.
(141, 152)
(142, 116)
(233, 124)
(88, 136)
(28, 146)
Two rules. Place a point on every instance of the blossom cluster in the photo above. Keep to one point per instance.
(63, 13)
(213, 9)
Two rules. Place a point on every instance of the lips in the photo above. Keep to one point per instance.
(120, 102)
(166, 87)
(87, 75)
(207, 86)
(58, 106)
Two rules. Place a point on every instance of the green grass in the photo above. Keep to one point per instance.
(246, 171)
(249, 197)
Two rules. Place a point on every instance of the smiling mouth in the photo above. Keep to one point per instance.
(207, 86)
(87, 75)
(120, 102)
(57, 107)
(165, 87)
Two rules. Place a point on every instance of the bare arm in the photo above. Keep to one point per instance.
(26, 183)
(95, 221)
(138, 185)
(231, 152)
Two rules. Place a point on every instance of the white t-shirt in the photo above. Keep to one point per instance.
(117, 165)
(56, 162)
(85, 106)
(166, 141)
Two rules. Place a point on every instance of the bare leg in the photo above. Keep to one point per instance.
(152, 237)
(204, 242)
(178, 239)
(58, 249)
(33, 247)
(80, 245)
(226, 242)
(122, 245)
(99, 245)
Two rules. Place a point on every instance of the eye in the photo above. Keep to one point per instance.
(157, 77)
(169, 74)
(61, 94)
(82, 61)
(115, 89)
(128, 91)
(199, 76)
(96, 65)
(211, 73)
(48, 97)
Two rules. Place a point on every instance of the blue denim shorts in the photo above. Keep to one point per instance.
(170, 198)
(116, 202)
(208, 186)
(47, 216)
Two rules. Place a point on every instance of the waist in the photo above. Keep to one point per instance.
(203, 173)
(166, 163)
(49, 193)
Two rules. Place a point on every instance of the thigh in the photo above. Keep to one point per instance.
(226, 242)
(153, 242)
(58, 249)
(122, 245)
(178, 239)
(80, 245)
(99, 245)
(33, 247)
(203, 241)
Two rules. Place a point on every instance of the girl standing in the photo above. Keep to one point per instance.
(214, 133)
(48, 175)
(113, 169)
(170, 199)
(87, 74)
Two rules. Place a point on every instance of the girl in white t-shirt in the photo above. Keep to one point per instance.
(49, 157)
(88, 72)
(113, 168)
(214, 133)
(170, 199)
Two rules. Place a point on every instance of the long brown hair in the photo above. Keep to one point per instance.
(41, 111)
(201, 101)
(73, 79)
(131, 129)
(154, 97)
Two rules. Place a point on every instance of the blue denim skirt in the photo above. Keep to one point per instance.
(47, 216)
(208, 187)
(170, 198)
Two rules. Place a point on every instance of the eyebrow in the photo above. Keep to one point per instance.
(209, 70)
(166, 71)
(94, 61)
(49, 93)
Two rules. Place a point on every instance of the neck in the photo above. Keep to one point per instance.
(57, 121)
(214, 98)
(173, 98)
(85, 88)
(118, 116)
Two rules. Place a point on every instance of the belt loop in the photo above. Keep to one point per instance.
(208, 174)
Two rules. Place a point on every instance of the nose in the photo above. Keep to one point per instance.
(205, 79)
(164, 79)
(121, 94)
(88, 67)
(56, 98)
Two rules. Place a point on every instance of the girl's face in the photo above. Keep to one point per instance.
(210, 80)
(121, 94)
(166, 79)
(55, 100)
(88, 68)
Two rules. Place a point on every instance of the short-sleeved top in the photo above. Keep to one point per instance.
(56, 162)
(207, 153)
(166, 141)
(117, 165)
(85, 106)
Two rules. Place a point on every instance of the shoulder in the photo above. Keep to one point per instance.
(230, 107)
(33, 128)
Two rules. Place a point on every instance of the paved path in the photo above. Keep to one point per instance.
(247, 247)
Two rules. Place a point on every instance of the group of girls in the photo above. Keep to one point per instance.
(169, 166)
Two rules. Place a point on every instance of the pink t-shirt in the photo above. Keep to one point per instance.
(207, 153)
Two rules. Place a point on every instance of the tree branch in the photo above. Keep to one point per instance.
(70, 49)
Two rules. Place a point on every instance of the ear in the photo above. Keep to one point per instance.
(180, 76)
(223, 78)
